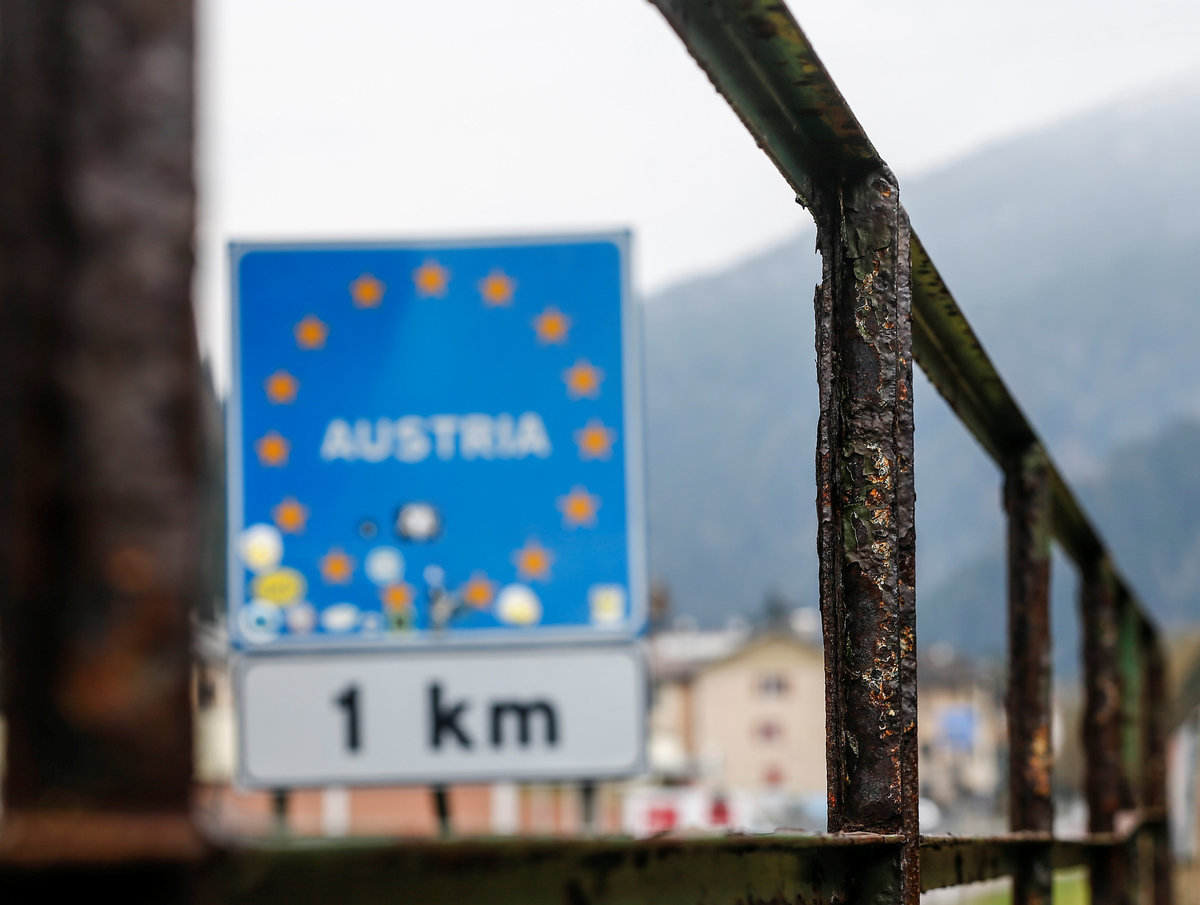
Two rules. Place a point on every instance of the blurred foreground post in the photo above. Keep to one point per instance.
(99, 436)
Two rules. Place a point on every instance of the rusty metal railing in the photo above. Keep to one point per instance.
(882, 302)
(99, 464)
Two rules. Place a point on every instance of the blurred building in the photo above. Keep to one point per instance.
(961, 731)
(751, 717)
(737, 734)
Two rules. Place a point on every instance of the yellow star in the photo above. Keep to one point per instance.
(533, 561)
(551, 326)
(336, 567)
(367, 291)
(497, 289)
(579, 508)
(311, 332)
(595, 441)
(290, 515)
(397, 596)
(273, 449)
(478, 591)
(281, 388)
(431, 279)
(583, 379)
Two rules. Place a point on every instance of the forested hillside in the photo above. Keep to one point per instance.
(1070, 250)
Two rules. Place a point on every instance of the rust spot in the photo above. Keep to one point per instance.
(1040, 757)
(130, 570)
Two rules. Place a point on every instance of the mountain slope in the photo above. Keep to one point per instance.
(1069, 251)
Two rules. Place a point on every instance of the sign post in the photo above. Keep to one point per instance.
(436, 512)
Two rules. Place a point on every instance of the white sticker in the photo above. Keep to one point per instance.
(261, 547)
(384, 565)
(517, 604)
(606, 603)
(341, 617)
(301, 618)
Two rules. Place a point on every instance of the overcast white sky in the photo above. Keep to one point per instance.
(378, 119)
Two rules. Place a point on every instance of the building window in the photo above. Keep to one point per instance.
(773, 685)
(769, 731)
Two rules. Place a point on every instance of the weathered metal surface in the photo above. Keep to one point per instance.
(770, 869)
(865, 500)
(1106, 784)
(1131, 664)
(757, 57)
(955, 860)
(1155, 777)
(1031, 807)
(755, 54)
(99, 438)
(753, 871)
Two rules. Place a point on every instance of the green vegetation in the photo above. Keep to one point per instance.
(1070, 888)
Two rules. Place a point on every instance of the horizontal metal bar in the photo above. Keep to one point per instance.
(733, 868)
(745, 869)
(954, 861)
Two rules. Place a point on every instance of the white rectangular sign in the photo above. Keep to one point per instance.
(419, 717)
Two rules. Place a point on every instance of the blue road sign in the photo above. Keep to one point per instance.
(434, 442)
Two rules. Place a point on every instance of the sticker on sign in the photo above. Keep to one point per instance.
(416, 717)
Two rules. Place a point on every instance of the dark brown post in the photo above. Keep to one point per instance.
(1155, 778)
(1133, 754)
(1106, 780)
(1031, 806)
(1131, 663)
(865, 503)
(99, 438)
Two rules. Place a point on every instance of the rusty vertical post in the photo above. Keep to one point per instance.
(865, 502)
(1133, 697)
(1031, 807)
(1155, 777)
(1106, 782)
(99, 436)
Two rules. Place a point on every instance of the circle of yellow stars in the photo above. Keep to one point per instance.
(582, 380)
